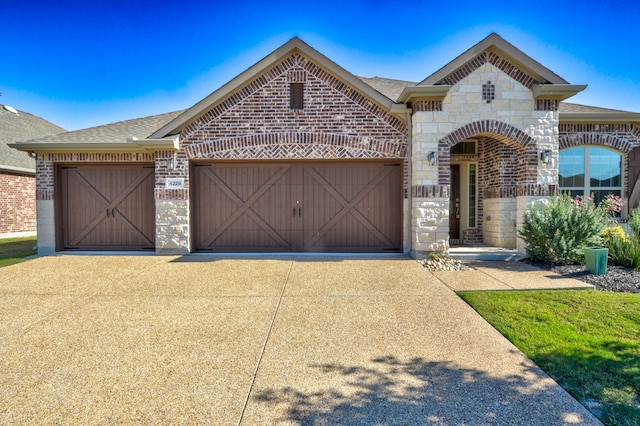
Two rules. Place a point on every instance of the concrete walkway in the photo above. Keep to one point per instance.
(283, 340)
(501, 275)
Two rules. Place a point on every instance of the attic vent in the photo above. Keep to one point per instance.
(296, 96)
(488, 92)
(11, 109)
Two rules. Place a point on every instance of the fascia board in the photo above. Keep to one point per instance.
(135, 145)
(17, 170)
(423, 92)
(557, 91)
(599, 117)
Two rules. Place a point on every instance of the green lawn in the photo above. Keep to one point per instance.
(588, 341)
(14, 250)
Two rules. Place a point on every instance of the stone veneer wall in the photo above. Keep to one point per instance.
(500, 218)
(17, 202)
(511, 118)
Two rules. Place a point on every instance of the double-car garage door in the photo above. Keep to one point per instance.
(239, 207)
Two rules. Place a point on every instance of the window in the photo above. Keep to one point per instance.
(590, 170)
(296, 96)
(472, 195)
(464, 148)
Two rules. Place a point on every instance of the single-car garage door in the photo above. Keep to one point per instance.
(105, 207)
(311, 207)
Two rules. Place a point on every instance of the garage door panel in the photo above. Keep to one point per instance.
(330, 207)
(353, 207)
(242, 207)
(106, 207)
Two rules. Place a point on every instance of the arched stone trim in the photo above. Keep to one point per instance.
(499, 131)
(603, 139)
(292, 146)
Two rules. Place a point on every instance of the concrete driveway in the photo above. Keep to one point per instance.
(283, 340)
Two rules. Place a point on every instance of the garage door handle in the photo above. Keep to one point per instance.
(294, 212)
(107, 213)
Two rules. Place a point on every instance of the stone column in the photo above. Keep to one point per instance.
(172, 204)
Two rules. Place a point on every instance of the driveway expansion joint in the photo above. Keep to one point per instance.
(266, 341)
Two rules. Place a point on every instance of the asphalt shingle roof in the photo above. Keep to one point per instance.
(118, 132)
(388, 87)
(569, 107)
(20, 126)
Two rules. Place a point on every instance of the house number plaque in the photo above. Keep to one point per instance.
(174, 183)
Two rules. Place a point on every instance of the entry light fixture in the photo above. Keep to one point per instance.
(545, 156)
(432, 158)
(170, 163)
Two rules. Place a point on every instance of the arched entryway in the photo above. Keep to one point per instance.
(487, 165)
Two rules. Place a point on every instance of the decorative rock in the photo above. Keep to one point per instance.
(438, 262)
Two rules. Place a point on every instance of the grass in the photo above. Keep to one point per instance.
(14, 250)
(588, 341)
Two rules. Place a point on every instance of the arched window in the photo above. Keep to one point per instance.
(587, 170)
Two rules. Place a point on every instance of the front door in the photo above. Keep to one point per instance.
(454, 203)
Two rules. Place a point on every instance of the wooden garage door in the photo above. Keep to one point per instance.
(106, 207)
(323, 207)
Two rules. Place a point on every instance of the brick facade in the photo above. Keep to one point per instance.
(17, 202)
(489, 99)
(337, 121)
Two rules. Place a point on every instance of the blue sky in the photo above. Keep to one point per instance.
(84, 63)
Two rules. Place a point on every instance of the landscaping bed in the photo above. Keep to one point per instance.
(617, 278)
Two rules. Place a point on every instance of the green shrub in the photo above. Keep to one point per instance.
(624, 251)
(558, 230)
(634, 223)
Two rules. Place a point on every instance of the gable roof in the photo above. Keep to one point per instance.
(18, 126)
(125, 135)
(295, 45)
(497, 44)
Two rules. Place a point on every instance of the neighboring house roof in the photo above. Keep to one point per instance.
(123, 135)
(18, 126)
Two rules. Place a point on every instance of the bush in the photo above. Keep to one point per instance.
(624, 251)
(634, 223)
(560, 229)
(614, 231)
